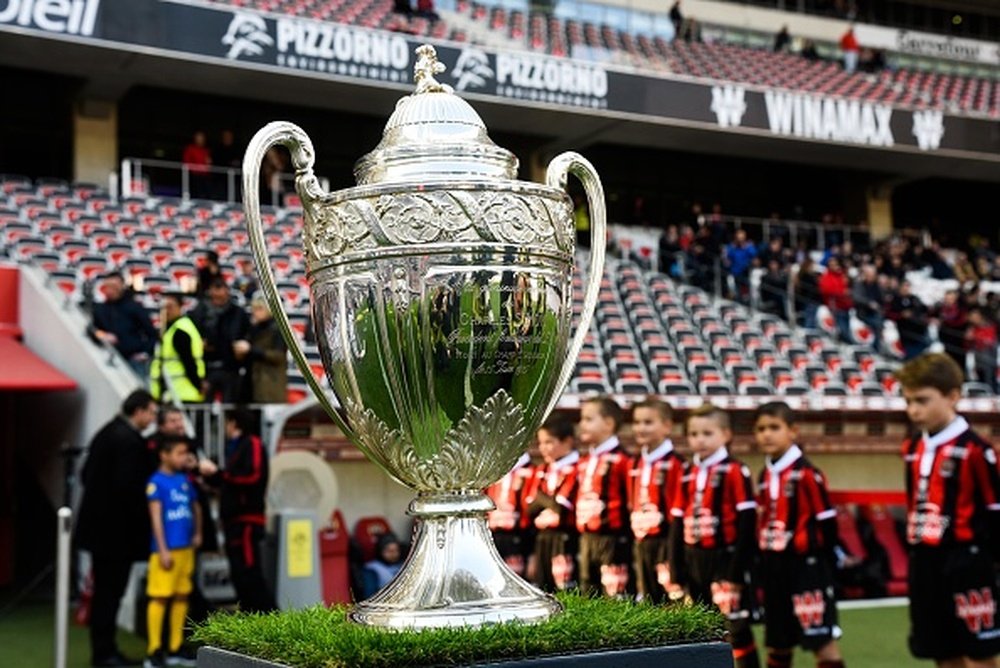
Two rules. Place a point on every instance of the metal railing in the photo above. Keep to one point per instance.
(149, 176)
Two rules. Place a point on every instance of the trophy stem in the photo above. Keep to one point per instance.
(454, 575)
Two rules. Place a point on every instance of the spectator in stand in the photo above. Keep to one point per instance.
(222, 323)
(122, 322)
(179, 356)
(774, 290)
(835, 291)
(227, 155)
(113, 521)
(198, 161)
(952, 321)
(425, 9)
(809, 51)
(869, 302)
(246, 279)
(701, 263)
(676, 18)
(807, 295)
(581, 221)
(208, 271)
(910, 316)
(402, 7)
(741, 255)
(383, 568)
(274, 165)
(243, 483)
(670, 253)
(775, 250)
(265, 358)
(782, 40)
(850, 47)
(981, 340)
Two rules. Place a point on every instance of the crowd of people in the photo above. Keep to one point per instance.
(146, 498)
(852, 279)
(663, 529)
(219, 349)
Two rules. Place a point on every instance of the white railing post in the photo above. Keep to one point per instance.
(185, 183)
(63, 531)
(126, 178)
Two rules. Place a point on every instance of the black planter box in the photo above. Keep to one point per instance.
(695, 655)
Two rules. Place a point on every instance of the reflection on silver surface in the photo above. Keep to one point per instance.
(442, 302)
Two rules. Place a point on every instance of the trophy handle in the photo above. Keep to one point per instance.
(300, 146)
(556, 175)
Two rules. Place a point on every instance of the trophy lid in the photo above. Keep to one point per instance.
(434, 132)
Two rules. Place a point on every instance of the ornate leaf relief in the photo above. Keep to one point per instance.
(474, 454)
(438, 216)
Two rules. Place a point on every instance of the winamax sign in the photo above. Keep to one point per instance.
(285, 44)
(827, 118)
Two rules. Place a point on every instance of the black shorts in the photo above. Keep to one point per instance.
(800, 607)
(599, 551)
(953, 594)
(555, 560)
(649, 557)
(706, 568)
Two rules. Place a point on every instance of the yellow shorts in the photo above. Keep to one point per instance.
(161, 583)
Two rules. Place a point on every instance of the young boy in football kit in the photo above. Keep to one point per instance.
(176, 522)
(952, 522)
(713, 535)
(654, 483)
(797, 536)
(549, 506)
(601, 504)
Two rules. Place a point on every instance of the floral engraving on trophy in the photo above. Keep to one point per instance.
(435, 216)
(479, 449)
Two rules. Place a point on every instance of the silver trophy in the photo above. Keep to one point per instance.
(442, 301)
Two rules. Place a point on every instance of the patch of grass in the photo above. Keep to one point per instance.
(319, 637)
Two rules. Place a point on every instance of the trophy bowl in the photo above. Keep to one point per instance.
(442, 301)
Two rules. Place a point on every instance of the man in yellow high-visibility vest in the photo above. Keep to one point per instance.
(180, 355)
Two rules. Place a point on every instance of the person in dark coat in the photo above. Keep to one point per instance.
(265, 356)
(113, 522)
(243, 485)
(222, 323)
(122, 322)
(209, 271)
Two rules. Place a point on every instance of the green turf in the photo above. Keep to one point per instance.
(874, 638)
(320, 637)
(26, 639)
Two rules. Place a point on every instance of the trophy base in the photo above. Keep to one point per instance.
(454, 575)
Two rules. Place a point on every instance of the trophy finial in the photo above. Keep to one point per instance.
(427, 66)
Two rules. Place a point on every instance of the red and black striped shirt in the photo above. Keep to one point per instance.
(952, 487)
(713, 493)
(654, 483)
(795, 510)
(508, 496)
(553, 488)
(602, 493)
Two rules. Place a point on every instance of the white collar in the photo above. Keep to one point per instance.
(606, 446)
(931, 443)
(791, 455)
(954, 429)
(521, 462)
(774, 469)
(661, 451)
(712, 459)
(566, 460)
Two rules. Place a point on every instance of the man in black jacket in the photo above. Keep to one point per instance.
(243, 483)
(122, 322)
(221, 322)
(113, 522)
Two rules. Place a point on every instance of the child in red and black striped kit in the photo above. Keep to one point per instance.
(713, 535)
(797, 537)
(952, 521)
(653, 485)
(602, 500)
